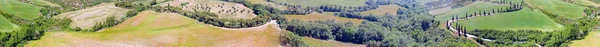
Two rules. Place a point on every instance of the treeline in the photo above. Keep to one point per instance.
(31, 29)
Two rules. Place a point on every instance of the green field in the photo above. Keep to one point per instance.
(316, 3)
(586, 3)
(564, 9)
(525, 19)
(44, 3)
(591, 40)
(324, 43)
(163, 30)
(319, 16)
(472, 8)
(20, 9)
(6, 25)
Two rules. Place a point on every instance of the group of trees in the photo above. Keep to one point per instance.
(31, 29)
(413, 27)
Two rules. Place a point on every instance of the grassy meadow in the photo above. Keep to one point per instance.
(564, 9)
(163, 30)
(44, 3)
(591, 40)
(472, 8)
(6, 25)
(20, 9)
(311, 42)
(525, 19)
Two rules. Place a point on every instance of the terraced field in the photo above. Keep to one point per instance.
(384, 9)
(525, 19)
(564, 9)
(20, 9)
(316, 3)
(6, 25)
(223, 9)
(87, 18)
(319, 16)
(163, 30)
(591, 40)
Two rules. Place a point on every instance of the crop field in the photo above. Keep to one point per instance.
(44, 3)
(525, 19)
(164, 30)
(20, 9)
(384, 9)
(319, 16)
(591, 40)
(316, 3)
(223, 9)
(6, 25)
(311, 42)
(87, 18)
(564, 9)
(472, 8)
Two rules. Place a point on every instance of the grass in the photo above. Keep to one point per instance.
(586, 3)
(6, 25)
(44, 3)
(20, 9)
(77, 4)
(591, 40)
(384, 9)
(163, 30)
(322, 43)
(472, 8)
(525, 19)
(319, 16)
(564, 9)
(316, 3)
(87, 18)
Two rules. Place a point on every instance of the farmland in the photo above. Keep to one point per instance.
(526, 19)
(319, 16)
(564, 9)
(472, 8)
(87, 18)
(44, 3)
(174, 30)
(327, 43)
(222, 9)
(316, 3)
(20, 9)
(384, 9)
(591, 40)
